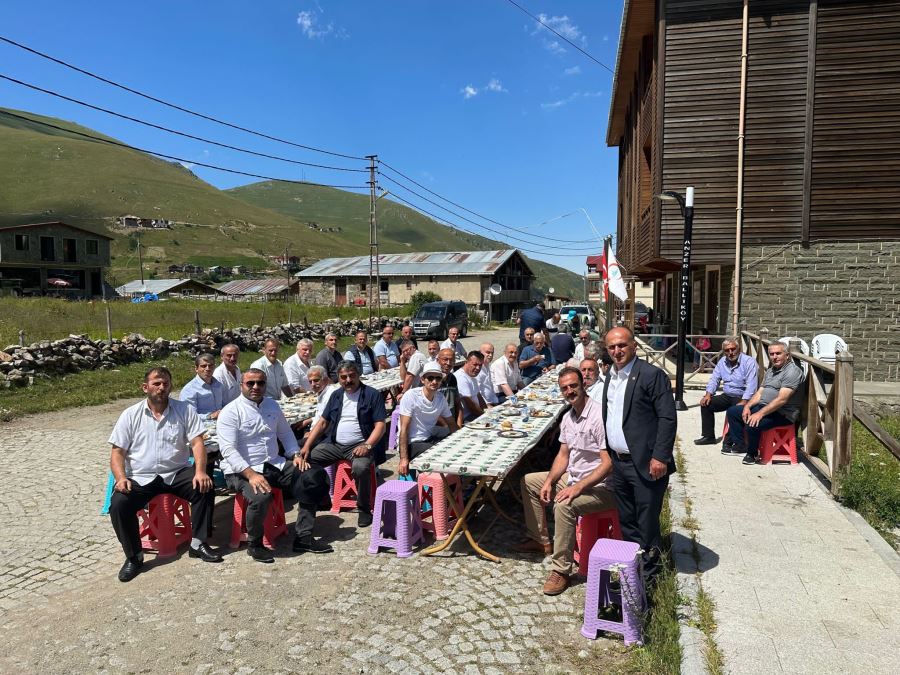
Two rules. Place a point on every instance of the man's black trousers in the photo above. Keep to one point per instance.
(717, 403)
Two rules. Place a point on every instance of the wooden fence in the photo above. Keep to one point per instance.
(826, 419)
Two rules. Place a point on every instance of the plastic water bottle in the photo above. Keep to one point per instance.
(526, 413)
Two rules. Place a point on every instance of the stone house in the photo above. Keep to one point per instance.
(464, 275)
(787, 128)
(54, 258)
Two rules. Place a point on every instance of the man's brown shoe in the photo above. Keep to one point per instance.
(556, 583)
(532, 546)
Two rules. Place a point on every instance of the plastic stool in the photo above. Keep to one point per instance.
(110, 488)
(331, 471)
(624, 557)
(394, 434)
(437, 517)
(273, 528)
(778, 443)
(397, 523)
(165, 524)
(591, 527)
(344, 494)
(725, 429)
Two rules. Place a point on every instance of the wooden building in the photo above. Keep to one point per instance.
(167, 288)
(458, 275)
(53, 259)
(785, 117)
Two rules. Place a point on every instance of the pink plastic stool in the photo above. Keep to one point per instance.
(344, 494)
(778, 443)
(165, 524)
(274, 526)
(397, 523)
(591, 527)
(624, 557)
(394, 434)
(437, 516)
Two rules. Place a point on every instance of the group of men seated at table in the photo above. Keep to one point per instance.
(154, 440)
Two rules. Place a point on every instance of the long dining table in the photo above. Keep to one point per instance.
(488, 448)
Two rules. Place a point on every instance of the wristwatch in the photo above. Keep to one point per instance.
(368, 446)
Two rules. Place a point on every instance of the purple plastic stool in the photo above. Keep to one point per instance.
(397, 522)
(624, 556)
(394, 434)
(331, 470)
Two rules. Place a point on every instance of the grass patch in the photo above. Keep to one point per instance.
(706, 619)
(871, 486)
(94, 387)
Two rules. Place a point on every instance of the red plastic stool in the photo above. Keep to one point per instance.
(725, 429)
(591, 527)
(778, 443)
(165, 524)
(344, 495)
(273, 528)
(437, 516)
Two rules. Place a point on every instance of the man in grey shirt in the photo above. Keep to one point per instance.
(775, 404)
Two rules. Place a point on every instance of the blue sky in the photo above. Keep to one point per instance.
(470, 98)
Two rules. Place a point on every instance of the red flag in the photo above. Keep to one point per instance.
(604, 274)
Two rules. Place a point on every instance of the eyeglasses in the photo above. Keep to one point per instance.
(428, 378)
(255, 383)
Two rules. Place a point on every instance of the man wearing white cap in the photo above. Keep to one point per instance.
(425, 417)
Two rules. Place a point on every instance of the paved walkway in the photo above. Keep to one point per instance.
(798, 587)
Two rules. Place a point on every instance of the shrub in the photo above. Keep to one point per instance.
(872, 484)
(420, 298)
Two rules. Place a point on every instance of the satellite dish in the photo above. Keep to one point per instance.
(552, 290)
(496, 289)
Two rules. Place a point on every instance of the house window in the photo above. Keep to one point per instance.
(187, 291)
(362, 288)
(595, 287)
(48, 249)
(645, 284)
(21, 242)
(431, 279)
(408, 285)
(69, 248)
(92, 247)
(592, 269)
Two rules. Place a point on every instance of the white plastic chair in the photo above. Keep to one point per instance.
(804, 349)
(826, 345)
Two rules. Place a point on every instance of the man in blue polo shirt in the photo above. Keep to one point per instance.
(386, 351)
(532, 318)
(737, 373)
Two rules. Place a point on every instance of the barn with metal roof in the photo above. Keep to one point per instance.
(166, 288)
(453, 275)
(262, 289)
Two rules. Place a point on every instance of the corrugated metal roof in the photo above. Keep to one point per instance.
(254, 286)
(156, 286)
(452, 263)
(593, 259)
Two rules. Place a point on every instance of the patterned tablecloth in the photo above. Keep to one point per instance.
(383, 379)
(473, 451)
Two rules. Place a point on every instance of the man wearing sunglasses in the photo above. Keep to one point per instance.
(737, 373)
(425, 417)
(250, 429)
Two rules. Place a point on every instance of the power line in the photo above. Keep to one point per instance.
(561, 37)
(174, 158)
(448, 223)
(474, 213)
(172, 131)
(173, 105)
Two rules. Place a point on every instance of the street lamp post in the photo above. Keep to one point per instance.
(686, 204)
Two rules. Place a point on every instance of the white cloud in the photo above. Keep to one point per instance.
(574, 70)
(312, 26)
(571, 98)
(562, 25)
(494, 85)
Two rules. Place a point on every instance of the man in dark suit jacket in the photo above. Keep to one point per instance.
(639, 416)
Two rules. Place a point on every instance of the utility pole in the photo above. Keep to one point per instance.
(373, 297)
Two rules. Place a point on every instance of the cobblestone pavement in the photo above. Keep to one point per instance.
(801, 584)
(62, 609)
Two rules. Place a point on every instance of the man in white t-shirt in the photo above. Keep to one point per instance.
(425, 417)
(485, 379)
(228, 373)
(584, 339)
(553, 322)
(505, 373)
(276, 380)
(470, 398)
(452, 342)
(297, 366)
(412, 363)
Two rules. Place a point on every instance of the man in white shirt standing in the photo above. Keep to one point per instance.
(425, 417)
(466, 380)
(228, 373)
(297, 365)
(485, 379)
(412, 363)
(151, 446)
(505, 373)
(249, 430)
(584, 339)
(204, 393)
(276, 379)
(386, 351)
(452, 342)
(575, 485)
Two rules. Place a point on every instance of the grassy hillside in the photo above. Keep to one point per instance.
(48, 174)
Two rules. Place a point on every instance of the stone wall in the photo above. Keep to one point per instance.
(851, 289)
(315, 292)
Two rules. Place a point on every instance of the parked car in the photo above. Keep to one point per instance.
(435, 319)
(585, 314)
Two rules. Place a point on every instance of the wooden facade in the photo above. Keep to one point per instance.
(822, 132)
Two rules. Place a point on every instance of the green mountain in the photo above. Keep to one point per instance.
(55, 174)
